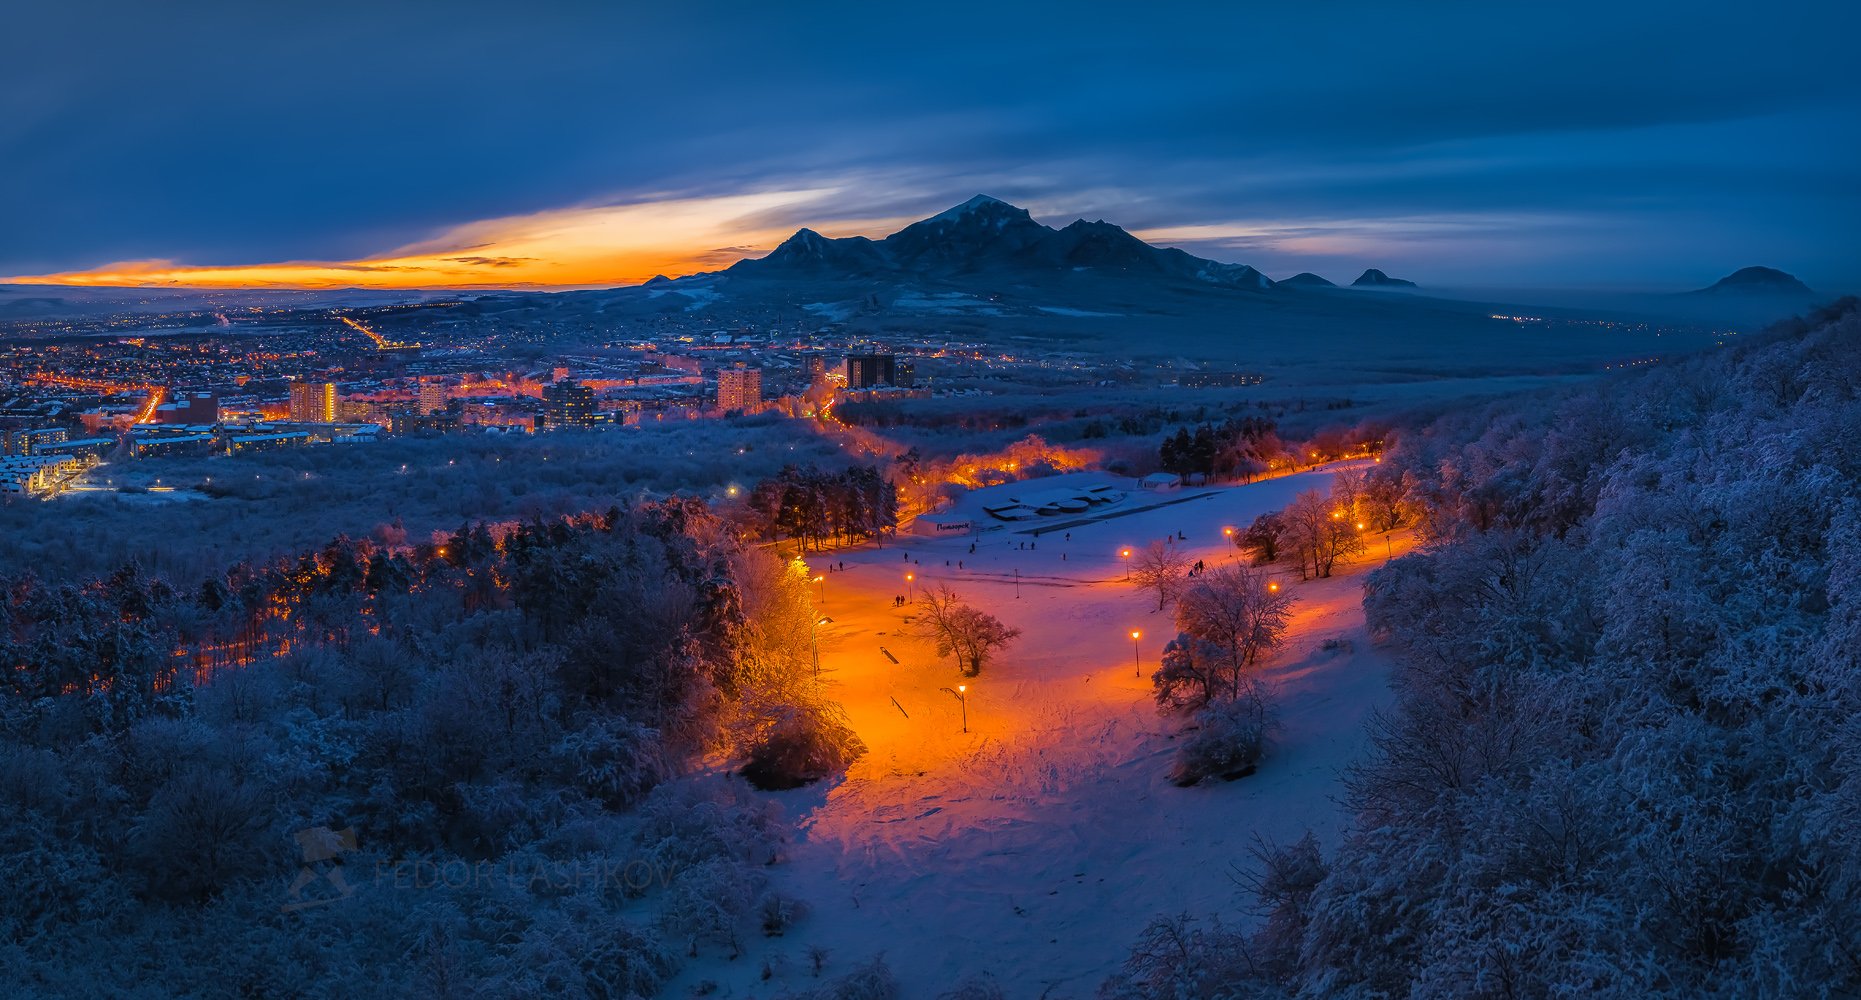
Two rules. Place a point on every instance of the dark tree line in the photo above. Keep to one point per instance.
(811, 506)
(1233, 449)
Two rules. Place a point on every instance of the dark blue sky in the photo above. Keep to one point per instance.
(1656, 144)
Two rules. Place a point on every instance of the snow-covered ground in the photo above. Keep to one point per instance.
(1036, 845)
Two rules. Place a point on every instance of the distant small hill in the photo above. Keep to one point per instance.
(1373, 278)
(1757, 281)
(1306, 279)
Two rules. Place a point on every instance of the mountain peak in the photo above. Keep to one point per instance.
(1306, 279)
(1373, 278)
(1759, 281)
(988, 238)
(980, 203)
(810, 251)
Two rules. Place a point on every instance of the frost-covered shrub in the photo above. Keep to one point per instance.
(1229, 737)
(204, 828)
(585, 953)
(496, 817)
(1186, 677)
(1285, 882)
(872, 981)
(1177, 958)
(802, 744)
(55, 879)
(707, 903)
(685, 823)
(612, 760)
(779, 913)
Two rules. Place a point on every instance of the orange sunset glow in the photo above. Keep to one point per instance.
(569, 247)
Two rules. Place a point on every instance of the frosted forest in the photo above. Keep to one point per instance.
(1622, 756)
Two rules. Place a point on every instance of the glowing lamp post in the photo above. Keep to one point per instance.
(909, 577)
(822, 580)
(1137, 658)
(1273, 586)
(1228, 533)
(1125, 554)
(961, 694)
(814, 639)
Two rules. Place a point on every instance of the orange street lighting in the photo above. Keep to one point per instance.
(814, 639)
(909, 577)
(822, 580)
(961, 694)
(1273, 586)
(1137, 661)
(1125, 554)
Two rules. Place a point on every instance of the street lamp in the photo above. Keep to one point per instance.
(1273, 586)
(1228, 533)
(1125, 554)
(908, 594)
(962, 698)
(822, 580)
(1137, 661)
(814, 639)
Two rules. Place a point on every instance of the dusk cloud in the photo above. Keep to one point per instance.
(1706, 134)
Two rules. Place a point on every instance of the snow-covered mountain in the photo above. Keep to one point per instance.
(985, 237)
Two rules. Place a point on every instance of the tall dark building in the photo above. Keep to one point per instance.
(863, 371)
(567, 403)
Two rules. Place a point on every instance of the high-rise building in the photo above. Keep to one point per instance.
(739, 387)
(907, 375)
(816, 369)
(567, 404)
(313, 402)
(863, 371)
(433, 396)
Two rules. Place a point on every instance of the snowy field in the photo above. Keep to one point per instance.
(1034, 847)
